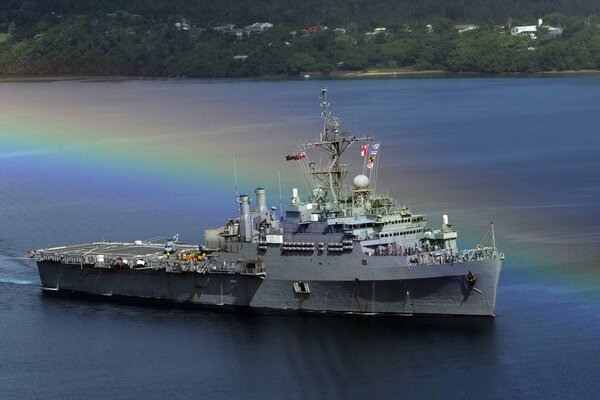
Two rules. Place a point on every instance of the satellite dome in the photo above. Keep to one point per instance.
(361, 181)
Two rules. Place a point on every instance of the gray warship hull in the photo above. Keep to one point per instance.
(344, 286)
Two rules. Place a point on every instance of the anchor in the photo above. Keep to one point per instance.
(470, 279)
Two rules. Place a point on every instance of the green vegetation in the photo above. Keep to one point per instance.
(141, 37)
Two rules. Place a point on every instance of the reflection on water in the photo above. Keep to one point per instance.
(302, 356)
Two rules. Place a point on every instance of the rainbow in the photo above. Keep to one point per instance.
(135, 152)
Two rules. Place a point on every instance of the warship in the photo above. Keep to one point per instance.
(342, 249)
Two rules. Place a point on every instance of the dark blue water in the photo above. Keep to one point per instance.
(522, 152)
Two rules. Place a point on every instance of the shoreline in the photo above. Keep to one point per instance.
(364, 74)
(375, 73)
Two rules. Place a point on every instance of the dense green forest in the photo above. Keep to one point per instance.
(178, 37)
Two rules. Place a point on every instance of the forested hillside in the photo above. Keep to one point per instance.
(197, 38)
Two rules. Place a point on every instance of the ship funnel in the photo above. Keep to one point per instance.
(261, 200)
(295, 198)
(444, 221)
(245, 221)
(540, 22)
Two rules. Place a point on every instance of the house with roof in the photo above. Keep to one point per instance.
(466, 28)
(533, 31)
(182, 26)
(376, 31)
(315, 28)
(259, 27)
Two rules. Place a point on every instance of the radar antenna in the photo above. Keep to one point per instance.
(328, 179)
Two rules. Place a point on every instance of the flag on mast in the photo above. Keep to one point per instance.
(364, 150)
(372, 154)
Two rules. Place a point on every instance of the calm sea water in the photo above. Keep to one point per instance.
(91, 159)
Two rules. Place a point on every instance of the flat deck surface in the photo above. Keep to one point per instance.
(129, 250)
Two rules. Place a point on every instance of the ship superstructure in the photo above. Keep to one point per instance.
(336, 250)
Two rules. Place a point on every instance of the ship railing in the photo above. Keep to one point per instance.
(257, 270)
(430, 257)
(108, 262)
(480, 253)
(172, 266)
(443, 256)
(65, 258)
(166, 264)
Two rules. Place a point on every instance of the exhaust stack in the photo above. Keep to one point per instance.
(261, 201)
(245, 220)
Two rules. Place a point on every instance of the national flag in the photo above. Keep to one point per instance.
(295, 156)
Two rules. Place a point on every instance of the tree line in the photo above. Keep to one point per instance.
(140, 37)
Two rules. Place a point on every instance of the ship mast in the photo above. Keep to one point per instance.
(328, 179)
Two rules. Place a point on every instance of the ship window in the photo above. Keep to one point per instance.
(301, 287)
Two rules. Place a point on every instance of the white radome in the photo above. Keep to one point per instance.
(361, 181)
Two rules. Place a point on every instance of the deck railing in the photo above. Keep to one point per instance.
(444, 256)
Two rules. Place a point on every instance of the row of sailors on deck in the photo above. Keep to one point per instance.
(429, 258)
(394, 249)
(421, 255)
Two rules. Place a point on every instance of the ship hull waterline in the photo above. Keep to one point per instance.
(440, 290)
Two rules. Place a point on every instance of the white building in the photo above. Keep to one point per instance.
(259, 26)
(466, 28)
(532, 30)
(182, 26)
(528, 30)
